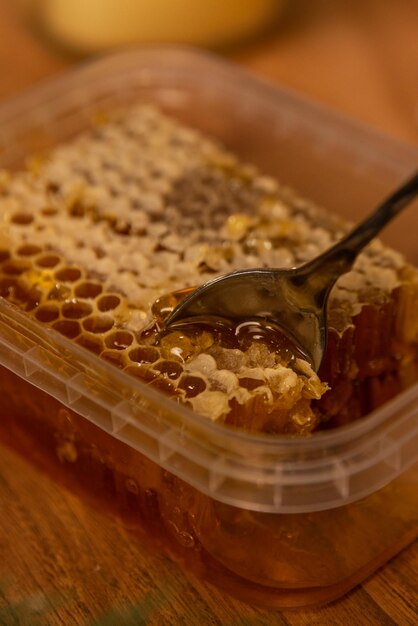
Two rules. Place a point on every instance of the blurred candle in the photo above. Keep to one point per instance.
(90, 25)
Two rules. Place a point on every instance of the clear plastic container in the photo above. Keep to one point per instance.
(274, 520)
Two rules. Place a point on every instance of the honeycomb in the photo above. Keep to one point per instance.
(101, 238)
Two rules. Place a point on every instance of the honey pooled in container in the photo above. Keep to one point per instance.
(102, 238)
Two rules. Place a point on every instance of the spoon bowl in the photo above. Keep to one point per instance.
(293, 299)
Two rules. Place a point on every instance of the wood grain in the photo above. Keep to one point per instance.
(62, 562)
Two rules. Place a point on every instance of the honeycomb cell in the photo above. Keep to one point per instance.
(28, 250)
(99, 252)
(7, 286)
(68, 274)
(28, 297)
(250, 383)
(115, 357)
(77, 209)
(21, 218)
(88, 289)
(91, 342)
(15, 267)
(123, 228)
(144, 373)
(4, 255)
(191, 385)
(98, 324)
(119, 340)
(49, 211)
(163, 384)
(59, 292)
(52, 187)
(76, 309)
(171, 369)
(144, 354)
(47, 260)
(108, 302)
(69, 328)
(177, 346)
(47, 313)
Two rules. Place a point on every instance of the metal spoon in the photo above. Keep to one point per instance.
(293, 299)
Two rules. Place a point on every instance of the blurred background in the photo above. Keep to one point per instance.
(358, 56)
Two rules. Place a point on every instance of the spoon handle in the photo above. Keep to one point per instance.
(325, 269)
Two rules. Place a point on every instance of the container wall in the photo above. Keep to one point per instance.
(269, 559)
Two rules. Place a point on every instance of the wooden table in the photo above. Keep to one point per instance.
(61, 562)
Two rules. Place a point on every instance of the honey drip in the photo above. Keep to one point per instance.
(230, 334)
